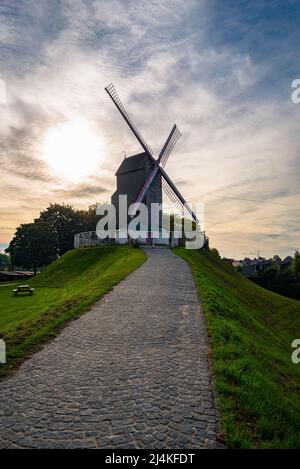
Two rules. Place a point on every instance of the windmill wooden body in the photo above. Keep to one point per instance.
(131, 176)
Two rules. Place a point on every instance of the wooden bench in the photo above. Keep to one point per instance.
(23, 289)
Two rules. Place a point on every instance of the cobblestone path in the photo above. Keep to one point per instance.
(131, 373)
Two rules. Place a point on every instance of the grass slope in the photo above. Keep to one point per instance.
(64, 290)
(251, 330)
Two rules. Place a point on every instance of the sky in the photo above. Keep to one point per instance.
(221, 69)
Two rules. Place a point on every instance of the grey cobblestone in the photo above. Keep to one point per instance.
(133, 372)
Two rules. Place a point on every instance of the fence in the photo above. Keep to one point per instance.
(90, 238)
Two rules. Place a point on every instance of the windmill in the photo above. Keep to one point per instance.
(142, 177)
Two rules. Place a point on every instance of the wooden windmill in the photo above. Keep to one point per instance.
(142, 177)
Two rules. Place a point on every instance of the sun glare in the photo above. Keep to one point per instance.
(72, 150)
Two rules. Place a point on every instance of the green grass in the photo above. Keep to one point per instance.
(65, 289)
(251, 330)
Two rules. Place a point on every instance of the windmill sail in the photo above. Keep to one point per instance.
(169, 145)
(166, 150)
(180, 200)
(110, 89)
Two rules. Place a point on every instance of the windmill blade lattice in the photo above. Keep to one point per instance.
(170, 145)
(110, 89)
(166, 150)
(176, 202)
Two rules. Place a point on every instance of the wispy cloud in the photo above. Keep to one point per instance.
(220, 70)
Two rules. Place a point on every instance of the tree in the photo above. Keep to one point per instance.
(285, 282)
(66, 222)
(215, 253)
(88, 219)
(34, 245)
(4, 261)
(296, 266)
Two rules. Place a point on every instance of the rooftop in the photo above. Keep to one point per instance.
(132, 163)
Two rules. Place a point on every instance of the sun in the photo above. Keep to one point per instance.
(72, 150)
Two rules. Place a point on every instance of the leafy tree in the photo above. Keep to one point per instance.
(66, 222)
(34, 245)
(4, 261)
(296, 266)
(284, 282)
(270, 273)
(88, 219)
(215, 253)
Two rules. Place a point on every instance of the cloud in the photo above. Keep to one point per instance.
(82, 191)
(205, 65)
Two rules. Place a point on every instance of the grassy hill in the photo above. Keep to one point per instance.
(251, 331)
(63, 290)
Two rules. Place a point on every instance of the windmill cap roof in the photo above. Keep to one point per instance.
(132, 163)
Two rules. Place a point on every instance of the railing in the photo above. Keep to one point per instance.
(87, 238)
(90, 238)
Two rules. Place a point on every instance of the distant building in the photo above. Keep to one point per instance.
(253, 267)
